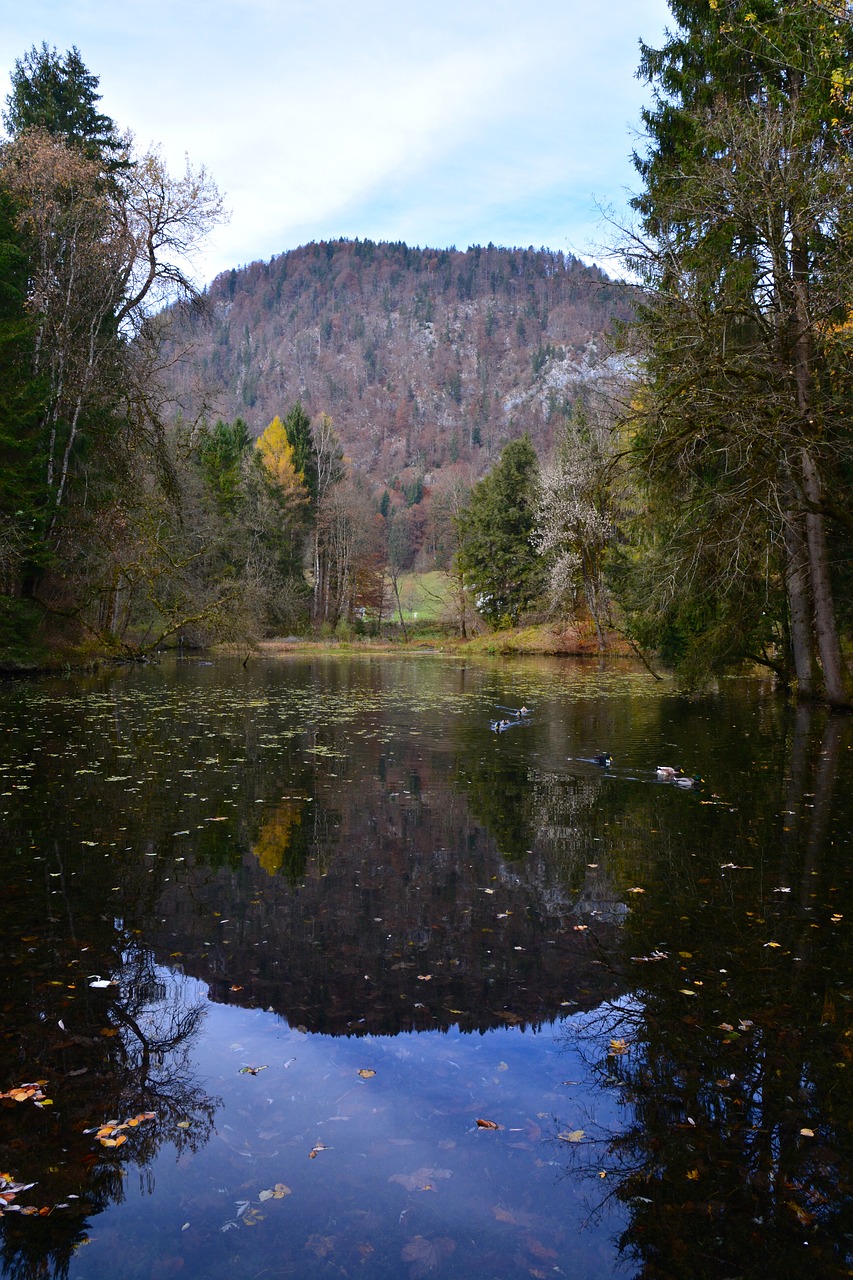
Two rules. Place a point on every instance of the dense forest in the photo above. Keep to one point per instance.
(422, 357)
(669, 460)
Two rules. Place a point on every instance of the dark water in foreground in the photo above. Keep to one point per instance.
(290, 934)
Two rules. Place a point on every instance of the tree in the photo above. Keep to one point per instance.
(743, 253)
(59, 95)
(297, 424)
(496, 554)
(574, 515)
(99, 260)
(221, 452)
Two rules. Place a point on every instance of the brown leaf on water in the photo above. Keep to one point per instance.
(421, 1180)
(488, 1124)
(425, 1255)
(538, 1249)
(802, 1215)
(367, 1073)
(576, 1135)
(320, 1246)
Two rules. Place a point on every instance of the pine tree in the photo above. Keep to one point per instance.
(496, 552)
(743, 430)
(59, 94)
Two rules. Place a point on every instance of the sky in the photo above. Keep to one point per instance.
(434, 122)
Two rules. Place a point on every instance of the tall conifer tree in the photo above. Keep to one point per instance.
(743, 247)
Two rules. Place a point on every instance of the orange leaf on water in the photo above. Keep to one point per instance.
(488, 1124)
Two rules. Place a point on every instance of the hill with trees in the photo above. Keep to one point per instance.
(423, 358)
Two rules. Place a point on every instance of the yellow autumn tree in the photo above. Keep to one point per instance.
(277, 455)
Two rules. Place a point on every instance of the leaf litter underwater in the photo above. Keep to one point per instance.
(311, 972)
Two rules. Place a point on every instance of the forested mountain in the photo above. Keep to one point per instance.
(421, 357)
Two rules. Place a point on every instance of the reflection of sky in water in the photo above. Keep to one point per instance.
(402, 1157)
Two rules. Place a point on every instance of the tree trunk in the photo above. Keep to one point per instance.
(799, 605)
(826, 628)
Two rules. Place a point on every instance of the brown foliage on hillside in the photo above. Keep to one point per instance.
(423, 358)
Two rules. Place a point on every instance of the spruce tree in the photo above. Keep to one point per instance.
(742, 248)
(58, 93)
(496, 555)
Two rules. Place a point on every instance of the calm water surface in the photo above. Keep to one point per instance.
(311, 973)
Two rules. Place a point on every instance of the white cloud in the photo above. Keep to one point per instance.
(341, 117)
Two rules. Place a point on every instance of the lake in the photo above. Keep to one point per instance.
(316, 968)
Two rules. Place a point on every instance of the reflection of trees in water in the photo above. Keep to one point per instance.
(732, 1057)
(125, 1051)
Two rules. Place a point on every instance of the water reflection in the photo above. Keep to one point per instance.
(731, 1055)
(318, 868)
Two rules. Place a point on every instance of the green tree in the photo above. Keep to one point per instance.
(58, 93)
(297, 424)
(86, 267)
(743, 250)
(221, 452)
(496, 554)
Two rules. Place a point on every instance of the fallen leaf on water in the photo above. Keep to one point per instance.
(320, 1246)
(576, 1135)
(617, 1047)
(538, 1249)
(425, 1255)
(685, 991)
(278, 1192)
(424, 977)
(183, 1124)
(367, 1073)
(773, 944)
(252, 1071)
(421, 1179)
(693, 1175)
(636, 889)
(318, 1146)
(488, 1124)
(807, 1133)
(802, 1215)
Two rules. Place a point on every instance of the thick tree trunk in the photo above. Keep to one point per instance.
(799, 604)
(826, 628)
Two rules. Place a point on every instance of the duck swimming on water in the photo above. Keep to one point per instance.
(666, 771)
(604, 759)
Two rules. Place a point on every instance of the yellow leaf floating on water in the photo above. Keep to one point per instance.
(636, 889)
(576, 1135)
(685, 991)
(618, 1047)
(807, 1133)
(367, 1073)
(693, 1175)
